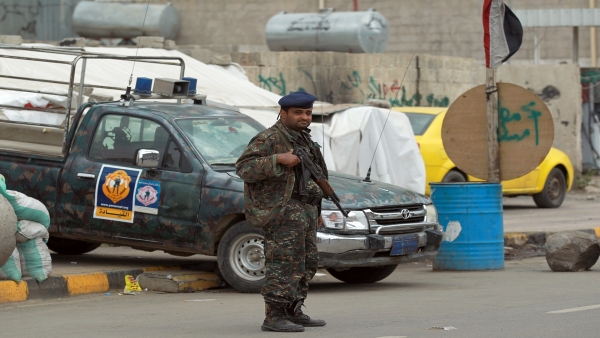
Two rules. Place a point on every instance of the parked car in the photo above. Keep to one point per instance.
(547, 184)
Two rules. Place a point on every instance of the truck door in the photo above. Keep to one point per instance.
(109, 197)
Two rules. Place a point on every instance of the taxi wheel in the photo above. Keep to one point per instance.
(64, 246)
(555, 190)
(363, 275)
(241, 257)
(454, 176)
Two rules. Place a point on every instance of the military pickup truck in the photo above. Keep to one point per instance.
(155, 175)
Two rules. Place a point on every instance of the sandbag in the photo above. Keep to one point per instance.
(35, 259)
(8, 228)
(25, 207)
(12, 268)
(27, 230)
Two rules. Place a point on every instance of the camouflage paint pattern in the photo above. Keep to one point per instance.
(195, 208)
(291, 255)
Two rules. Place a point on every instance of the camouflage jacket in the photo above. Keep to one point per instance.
(268, 186)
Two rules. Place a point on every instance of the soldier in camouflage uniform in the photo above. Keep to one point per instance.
(286, 204)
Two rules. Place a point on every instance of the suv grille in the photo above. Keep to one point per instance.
(397, 219)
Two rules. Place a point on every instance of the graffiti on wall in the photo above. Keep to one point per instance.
(355, 86)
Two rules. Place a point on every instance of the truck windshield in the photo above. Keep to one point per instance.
(220, 140)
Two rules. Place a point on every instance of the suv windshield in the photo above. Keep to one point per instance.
(220, 140)
(420, 122)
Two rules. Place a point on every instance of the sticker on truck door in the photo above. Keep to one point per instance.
(147, 196)
(115, 193)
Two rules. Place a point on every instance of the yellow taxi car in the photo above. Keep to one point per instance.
(548, 183)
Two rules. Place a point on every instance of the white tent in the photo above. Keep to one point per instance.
(349, 140)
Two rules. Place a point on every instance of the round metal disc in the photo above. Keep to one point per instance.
(525, 131)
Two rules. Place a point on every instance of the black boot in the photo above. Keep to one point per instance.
(277, 319)
(298, 317)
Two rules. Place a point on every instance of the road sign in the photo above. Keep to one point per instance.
(525, 131)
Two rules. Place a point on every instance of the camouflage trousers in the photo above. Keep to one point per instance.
(291, 255)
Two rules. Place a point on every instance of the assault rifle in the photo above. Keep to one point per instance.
(319, 178)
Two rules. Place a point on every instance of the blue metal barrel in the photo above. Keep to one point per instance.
(471, 214)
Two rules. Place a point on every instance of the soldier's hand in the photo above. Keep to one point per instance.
(288, 159)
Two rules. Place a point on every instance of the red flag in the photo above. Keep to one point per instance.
(502, 33)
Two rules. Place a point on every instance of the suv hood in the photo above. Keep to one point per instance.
(355, 194)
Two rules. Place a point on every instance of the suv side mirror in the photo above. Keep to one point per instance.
(147, 158)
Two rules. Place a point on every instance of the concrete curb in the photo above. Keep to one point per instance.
(517, 240)
(79, 284)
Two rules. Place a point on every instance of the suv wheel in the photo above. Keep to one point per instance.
(241, 257)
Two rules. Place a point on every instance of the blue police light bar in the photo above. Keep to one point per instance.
(143, 86)
(192, 87)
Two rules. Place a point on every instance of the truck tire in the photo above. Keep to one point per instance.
(555, 190)
(241, 257)
(363, 275)
(64, 246)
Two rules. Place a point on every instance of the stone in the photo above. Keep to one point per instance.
(100, 98)
(590, 189)
(8, 229)
(150, 41)
(93, 43)
(11, 39)
(572, 251)
(72, 42)
(170, 45)
(515, 240)
(379, 103)
(221, 59)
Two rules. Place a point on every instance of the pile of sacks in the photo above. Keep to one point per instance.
(24, 223)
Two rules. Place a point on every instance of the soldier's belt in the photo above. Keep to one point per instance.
(312, 200)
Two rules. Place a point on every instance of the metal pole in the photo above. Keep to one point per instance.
(576, 45)
(593, 55)
(536, 50)
(491, 92)
(355, 2)
(81, 81)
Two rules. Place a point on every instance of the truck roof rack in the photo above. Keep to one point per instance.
(79, 58)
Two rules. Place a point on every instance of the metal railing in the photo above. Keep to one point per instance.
(78, 55)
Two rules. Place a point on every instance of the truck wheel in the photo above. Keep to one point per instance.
(454, 176)
(555, 190)
(64, 246)
(363, 275)
(241, 257)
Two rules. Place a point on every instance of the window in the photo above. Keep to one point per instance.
(118, 137)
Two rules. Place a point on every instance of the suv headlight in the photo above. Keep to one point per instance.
(431, 213)
(355, 223)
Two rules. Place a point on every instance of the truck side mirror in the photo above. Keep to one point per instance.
(147, 158)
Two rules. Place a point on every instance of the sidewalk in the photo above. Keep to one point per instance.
(105, 268)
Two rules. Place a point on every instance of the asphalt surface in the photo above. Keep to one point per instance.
(520, 301)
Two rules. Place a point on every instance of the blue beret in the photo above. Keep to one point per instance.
(298, 99)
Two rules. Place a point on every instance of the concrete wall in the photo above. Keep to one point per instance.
(430, 81)
(448, 27)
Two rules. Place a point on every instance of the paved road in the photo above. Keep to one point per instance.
(515, 302)
(579, 211)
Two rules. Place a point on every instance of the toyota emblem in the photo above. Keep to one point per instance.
(405, 213)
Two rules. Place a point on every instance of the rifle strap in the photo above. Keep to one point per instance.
(285, 140)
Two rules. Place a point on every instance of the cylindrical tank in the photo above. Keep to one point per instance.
(347, 32)
(471, 214)
(98, 20)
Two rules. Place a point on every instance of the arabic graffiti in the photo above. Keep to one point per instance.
(506, 117)
(353, 88)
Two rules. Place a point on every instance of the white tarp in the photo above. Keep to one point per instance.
(351, 139)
